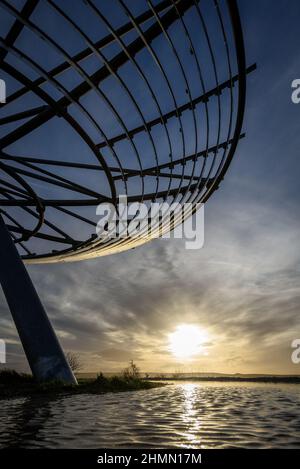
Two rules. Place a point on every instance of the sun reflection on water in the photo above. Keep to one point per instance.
(190, 416)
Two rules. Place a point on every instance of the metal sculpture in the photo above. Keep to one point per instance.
(107, 98)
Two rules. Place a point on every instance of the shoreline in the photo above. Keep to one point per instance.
(238, 379)
(14, 385)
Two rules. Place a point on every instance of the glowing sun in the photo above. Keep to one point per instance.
(187, 340)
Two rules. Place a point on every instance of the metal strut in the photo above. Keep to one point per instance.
(42, 348)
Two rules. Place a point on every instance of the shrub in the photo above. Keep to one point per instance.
(131, 372)
(11, 377)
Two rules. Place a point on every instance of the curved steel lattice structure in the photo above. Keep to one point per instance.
(106, 98)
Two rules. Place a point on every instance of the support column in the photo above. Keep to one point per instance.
(43, 351)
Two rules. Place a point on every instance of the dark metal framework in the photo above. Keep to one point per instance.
(156, 101)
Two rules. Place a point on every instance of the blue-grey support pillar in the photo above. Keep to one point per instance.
(44, 353)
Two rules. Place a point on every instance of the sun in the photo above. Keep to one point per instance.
(187, 341)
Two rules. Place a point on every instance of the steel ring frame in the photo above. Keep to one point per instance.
(199, 187)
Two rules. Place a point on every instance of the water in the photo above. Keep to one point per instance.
(181, 415)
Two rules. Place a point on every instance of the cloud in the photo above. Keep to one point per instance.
(242, 287)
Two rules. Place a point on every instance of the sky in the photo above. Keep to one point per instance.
(242, 288)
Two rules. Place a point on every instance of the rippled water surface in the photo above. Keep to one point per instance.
(189, 415)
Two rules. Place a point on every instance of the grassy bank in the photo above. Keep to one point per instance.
(13, 384)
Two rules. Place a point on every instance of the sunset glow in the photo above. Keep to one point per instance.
(187, 341)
